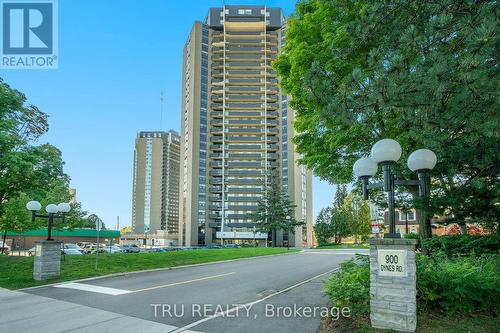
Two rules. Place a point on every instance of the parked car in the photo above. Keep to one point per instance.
(71, 252)
(88, 248)
(232, 246)
(112, 249)
(74, 247)
(5, 247)
(83, 244)
(156, 249)
(131, 248)
(31, 252)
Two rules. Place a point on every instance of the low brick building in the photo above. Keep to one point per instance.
(27, 239)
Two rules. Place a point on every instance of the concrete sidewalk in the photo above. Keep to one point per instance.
(22, 312)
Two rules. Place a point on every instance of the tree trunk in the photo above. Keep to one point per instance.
(425, 229)
(424, 221)
(463, 228)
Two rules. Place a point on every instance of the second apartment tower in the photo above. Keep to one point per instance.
(236, 128)
(155, 203)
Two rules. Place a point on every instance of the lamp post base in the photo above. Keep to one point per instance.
(47, 263)
(392, 235)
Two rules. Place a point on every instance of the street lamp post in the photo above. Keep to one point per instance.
(47, 263)
(387, 152)
(392, 258)
(288, 236)
(254, 231)
(52, 210)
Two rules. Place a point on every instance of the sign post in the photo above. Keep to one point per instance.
(254, 231)
(393, 292)
(97, 228)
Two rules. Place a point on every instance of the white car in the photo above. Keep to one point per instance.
(32, 251)
(73, 247)
(5, 247)
(71, 252)
(113, 249)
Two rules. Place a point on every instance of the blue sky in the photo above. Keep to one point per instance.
(115, 57)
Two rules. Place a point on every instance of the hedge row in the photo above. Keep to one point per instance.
(448, 284)
(460, 245)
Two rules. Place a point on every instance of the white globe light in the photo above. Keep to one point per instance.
(64, 207)
(365, 167)
(422, 159)
(51, 209)
(33, 206)
(386, 150)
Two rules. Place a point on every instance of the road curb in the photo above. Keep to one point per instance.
(155, 270)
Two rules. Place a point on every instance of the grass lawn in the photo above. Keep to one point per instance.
(344, 246)
(17, 272)
(426, 323)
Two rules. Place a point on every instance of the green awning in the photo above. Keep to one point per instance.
(68, 232)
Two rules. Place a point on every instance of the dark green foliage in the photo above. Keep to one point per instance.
(276, 211)
(424, 73)
(340, 224)
(340, 196)
(323, 226)
(459, 285)
(451, 285)
(357, 214)
(28, 171)
(414, 236)
(460, 245)
(350, 287)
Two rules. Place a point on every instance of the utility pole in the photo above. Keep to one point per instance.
(118, 223)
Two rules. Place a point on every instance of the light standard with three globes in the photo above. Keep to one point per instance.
(47, 263)
(52, 210)
(387, 152)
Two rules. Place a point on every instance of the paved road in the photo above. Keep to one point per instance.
(237, 296)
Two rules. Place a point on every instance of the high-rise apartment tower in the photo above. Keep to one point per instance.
(236, 128)
(155, 197)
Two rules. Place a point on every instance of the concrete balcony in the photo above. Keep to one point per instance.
(243, 173)
(243, 190)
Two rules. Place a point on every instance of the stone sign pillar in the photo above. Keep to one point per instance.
(393, 292)
(47, 260)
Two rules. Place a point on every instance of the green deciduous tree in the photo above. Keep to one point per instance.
(357, 214)
(333, 222)
(27, 171)
(15, 217)
(19, 125)
(424, 73)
